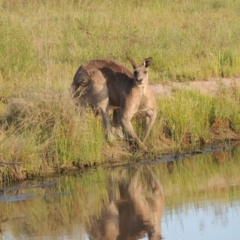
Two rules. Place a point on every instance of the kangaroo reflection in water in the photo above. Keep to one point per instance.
(138, 211)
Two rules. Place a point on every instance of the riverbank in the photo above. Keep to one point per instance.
(48, 134)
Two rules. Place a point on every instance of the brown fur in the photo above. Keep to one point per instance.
(104, 83)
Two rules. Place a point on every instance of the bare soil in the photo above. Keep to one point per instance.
(207, 87)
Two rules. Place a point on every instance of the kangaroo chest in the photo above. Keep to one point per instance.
(142, 103)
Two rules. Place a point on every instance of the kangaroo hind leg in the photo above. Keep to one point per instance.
(99, 99)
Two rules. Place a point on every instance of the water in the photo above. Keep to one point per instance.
(212, 220)
(193, 198)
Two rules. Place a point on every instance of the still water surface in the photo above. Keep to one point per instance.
(193, 198)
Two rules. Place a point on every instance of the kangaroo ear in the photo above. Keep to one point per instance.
(132, 62)
(147, 62)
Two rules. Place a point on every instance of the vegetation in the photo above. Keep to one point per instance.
(46, 41)
(195, 118)
(43, 43)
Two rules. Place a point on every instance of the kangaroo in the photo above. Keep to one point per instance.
(105, 83)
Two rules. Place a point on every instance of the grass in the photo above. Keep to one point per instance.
(188, 40)
(191, 117)
(44, 42)
(47, 134)
(188, 112)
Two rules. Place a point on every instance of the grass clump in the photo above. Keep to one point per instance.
(191, 118)
(47, 133)
(188, 112)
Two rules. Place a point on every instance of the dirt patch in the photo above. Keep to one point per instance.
(207, 87)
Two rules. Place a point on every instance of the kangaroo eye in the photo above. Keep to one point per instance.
(135, 72)
(145, 72)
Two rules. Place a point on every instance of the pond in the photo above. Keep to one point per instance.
(196, 197)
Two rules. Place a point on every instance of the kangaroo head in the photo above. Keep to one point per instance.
(140, 72)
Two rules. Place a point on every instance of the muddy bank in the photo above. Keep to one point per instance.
(121, 158)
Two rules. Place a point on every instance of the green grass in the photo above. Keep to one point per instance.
(48, 133)
(192, 117)
(47, 40)
(188, 112)
(44, 42)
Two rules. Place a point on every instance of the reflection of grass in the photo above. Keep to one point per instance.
(193, 180)
(65, 208)
(202, 177)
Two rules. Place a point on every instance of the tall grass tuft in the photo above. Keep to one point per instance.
(188, 112)
(48, 132)
(190, 117)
